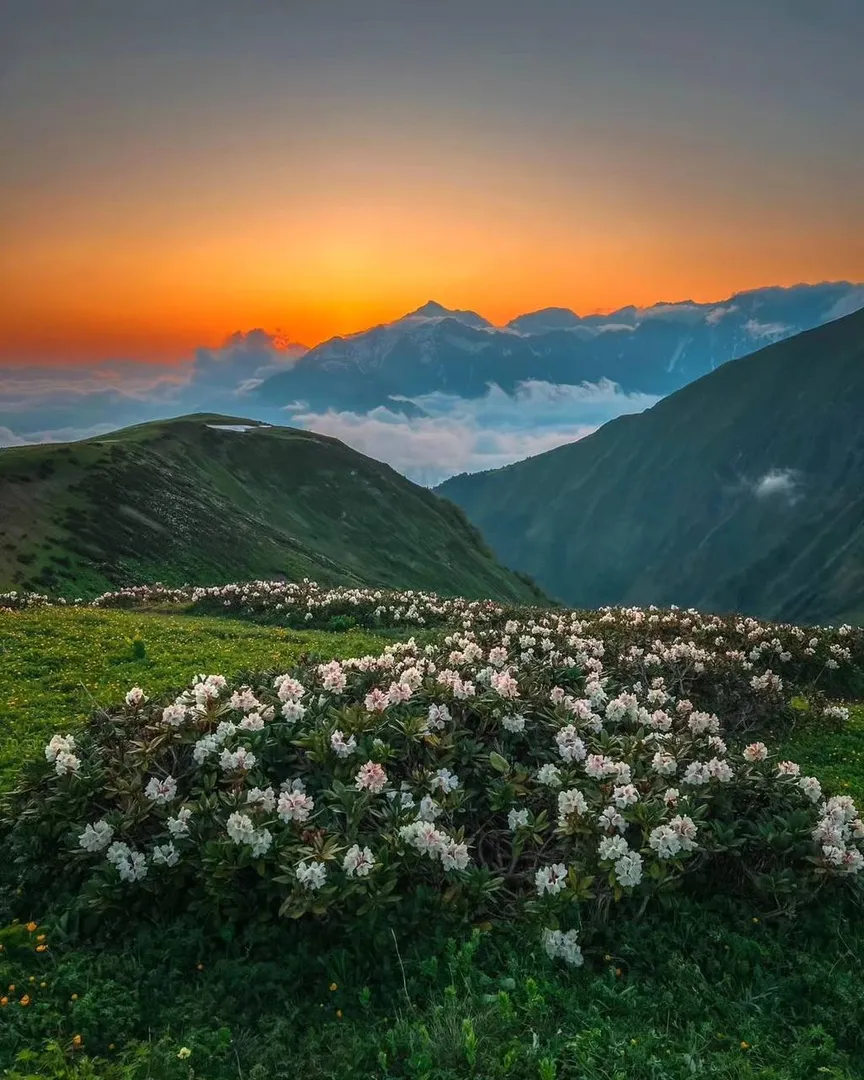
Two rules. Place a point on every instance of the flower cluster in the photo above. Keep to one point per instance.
(533, 753)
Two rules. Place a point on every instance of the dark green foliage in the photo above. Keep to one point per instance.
(708, 990)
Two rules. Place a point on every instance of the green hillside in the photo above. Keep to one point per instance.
(743, 491)
(186, 500)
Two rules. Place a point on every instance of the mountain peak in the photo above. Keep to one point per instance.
(431, 310)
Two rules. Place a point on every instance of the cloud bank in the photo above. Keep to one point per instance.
(451, 435)
(468, 435)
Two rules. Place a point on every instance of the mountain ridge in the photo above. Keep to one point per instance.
(208, 499)
(654, 350)
(742, 491)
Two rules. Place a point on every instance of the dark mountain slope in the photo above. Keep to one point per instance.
(209, 499)
(742, 491)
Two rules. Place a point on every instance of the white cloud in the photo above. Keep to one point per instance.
(9, 438)
(467, 435)
(852, 301)
(777, 482)
(716, 314)
(770, 330)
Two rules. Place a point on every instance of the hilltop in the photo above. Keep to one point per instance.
(744, 491)
(209, 499)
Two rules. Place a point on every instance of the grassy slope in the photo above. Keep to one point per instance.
(177, 501)
(670, 997)
(57, 665)
(660, 507)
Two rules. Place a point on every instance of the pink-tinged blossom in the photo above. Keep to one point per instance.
(664, 763)
(288, 688)
(625, 795)
(376, 701)
(756, 751)
(788, 768)
(244, 700)
(720, 770)
(294, 805)
(598, 765)
(239, 760)
(135, 697)
(371, 777)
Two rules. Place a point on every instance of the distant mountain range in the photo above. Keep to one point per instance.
(743, 491)
(654, 350)
(209, 499)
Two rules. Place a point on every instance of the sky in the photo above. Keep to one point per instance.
(174, 171)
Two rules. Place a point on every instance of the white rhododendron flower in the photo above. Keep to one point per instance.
(311, 875)
(136, 697)
(59, 744)
(551, 879)
(341, 746)
(294, 805)
(549, 775)
(811, 787)
(514, 723)
(161, 791)
(570, 746)
(165, 855)
(239, 760)
(428, 809)
(179, 824)
(96, 837)
(628, 869)
(517, 819)
(358, 862)
(445, 781)
(611, 848)
(563, 945)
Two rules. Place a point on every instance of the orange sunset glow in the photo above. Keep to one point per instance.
(146, 212)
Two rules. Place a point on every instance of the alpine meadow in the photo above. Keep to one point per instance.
(396, 688)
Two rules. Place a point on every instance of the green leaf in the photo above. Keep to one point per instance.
(499, 763)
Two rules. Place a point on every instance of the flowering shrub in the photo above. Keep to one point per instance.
(510, 770)
(715, 648)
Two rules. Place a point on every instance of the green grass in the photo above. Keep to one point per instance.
(836, 758)
(57, 665)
